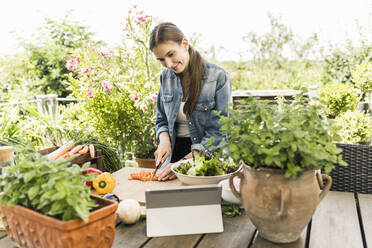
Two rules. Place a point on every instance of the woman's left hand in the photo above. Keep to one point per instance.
(166, 174)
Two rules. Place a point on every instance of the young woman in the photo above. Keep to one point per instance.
(190, 90)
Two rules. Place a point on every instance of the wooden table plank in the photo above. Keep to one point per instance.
(179, 241)
(260, 242)
(335, 222)
(238, 232)
(7, 243)
(365, 203)
(2, 233)
(127, 236)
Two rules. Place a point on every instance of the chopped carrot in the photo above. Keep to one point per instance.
(143, 176)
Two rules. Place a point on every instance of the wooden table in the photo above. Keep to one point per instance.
(338, 222)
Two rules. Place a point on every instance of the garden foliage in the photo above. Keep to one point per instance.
(120, 87)
(356, 127)
(292, 137)
(338, 98)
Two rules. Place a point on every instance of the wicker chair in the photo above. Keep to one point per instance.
(357, 176)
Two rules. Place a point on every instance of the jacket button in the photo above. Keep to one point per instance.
(194, 138)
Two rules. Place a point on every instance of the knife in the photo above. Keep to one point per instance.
(156, 169)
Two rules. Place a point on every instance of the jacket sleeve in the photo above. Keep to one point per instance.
(161, 124)
(222, 100)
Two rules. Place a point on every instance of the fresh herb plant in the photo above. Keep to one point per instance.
(49, 187)
(292, 137)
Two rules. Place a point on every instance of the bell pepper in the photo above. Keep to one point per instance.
(104, 183)
(89, 171)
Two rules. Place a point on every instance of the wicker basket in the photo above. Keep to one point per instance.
(357, 176)
(29, 228)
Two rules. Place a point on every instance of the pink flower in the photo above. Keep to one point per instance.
(86, 71)
(70, 67)
(106, 55)
(134, 95)
(70, 64)
(154, 96)
(105, 85)
(89, 92)
(144, 107)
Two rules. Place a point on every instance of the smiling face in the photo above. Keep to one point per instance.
(172, 55)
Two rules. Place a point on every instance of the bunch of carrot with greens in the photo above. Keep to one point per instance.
(67, 150)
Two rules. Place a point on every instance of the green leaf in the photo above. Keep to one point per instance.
(33, 191)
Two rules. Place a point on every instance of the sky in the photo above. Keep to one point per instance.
(219, 23)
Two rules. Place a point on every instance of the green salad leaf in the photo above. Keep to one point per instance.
(207, 166)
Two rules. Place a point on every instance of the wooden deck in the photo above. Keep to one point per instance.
(339, 221)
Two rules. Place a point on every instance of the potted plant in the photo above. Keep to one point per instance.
(144, 145)
(46, 204)
(120, 88)
(281, 147)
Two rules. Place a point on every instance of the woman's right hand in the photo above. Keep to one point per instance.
(162, 152)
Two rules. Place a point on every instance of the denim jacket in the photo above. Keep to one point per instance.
(215, 94)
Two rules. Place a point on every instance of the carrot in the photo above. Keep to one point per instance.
(143, 176)
(75, 149)
(91, 150)
(55, 152)
(84, 150)
(65, 156)
(63, 151)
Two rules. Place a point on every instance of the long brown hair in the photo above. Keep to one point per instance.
(192, 77)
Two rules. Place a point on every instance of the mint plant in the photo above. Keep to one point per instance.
(292, 137)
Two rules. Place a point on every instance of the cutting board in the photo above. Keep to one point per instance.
(135, 189)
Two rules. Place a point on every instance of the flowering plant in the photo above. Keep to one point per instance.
(120, 86)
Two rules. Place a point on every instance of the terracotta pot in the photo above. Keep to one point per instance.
(145, 162)
(29, 228)
(279, 208)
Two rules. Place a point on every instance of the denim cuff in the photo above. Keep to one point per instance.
(198, 147)
(159, 131)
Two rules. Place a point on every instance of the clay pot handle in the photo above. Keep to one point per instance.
(285, 196)
(327, 186)
(232, 186)
(320, 179)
